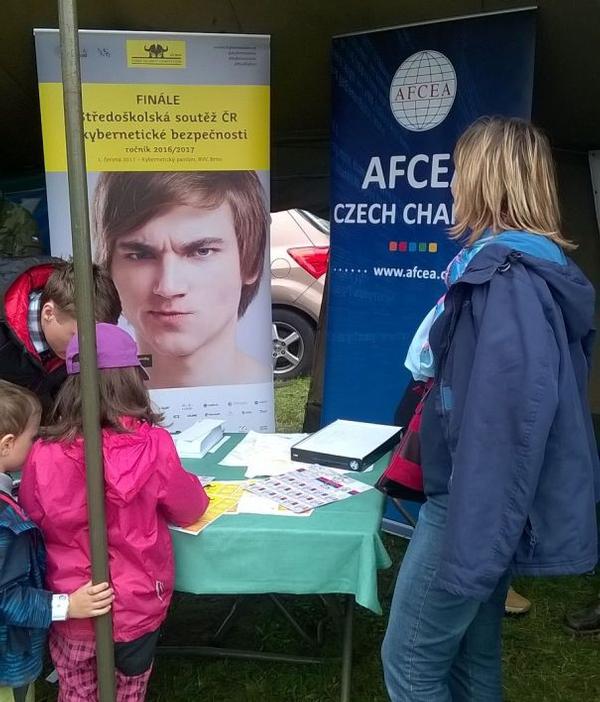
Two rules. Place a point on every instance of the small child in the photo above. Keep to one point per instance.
(37, 320)
(147, 488)
(26, 608)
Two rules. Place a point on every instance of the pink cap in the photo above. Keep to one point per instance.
(115, 349)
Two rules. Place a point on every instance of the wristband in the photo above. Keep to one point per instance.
(60, 607)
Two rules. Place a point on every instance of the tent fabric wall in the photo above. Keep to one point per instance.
(580, 224)
(566, 100)
(566, 68)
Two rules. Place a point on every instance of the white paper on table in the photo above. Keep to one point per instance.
(237, 457)
(261, 466)
(261, 450)
(254, 504)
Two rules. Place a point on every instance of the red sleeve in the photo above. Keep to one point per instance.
(182, 497)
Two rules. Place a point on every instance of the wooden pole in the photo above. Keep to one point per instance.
(86, 326)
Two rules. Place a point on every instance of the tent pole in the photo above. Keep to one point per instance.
(82, 260)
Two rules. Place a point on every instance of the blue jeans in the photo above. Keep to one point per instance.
(439, 647)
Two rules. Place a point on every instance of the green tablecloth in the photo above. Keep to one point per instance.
(338, 549)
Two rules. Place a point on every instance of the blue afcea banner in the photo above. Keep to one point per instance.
(401, 98)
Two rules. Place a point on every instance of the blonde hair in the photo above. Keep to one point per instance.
(505, 179)
(17, 406)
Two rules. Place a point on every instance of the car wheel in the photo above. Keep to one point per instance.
(293, 344)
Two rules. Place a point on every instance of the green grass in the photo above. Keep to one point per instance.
(542, 663)
(290, 400)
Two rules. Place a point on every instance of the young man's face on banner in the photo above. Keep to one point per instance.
(179, 278)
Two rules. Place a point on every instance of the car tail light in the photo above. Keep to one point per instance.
(312, 258)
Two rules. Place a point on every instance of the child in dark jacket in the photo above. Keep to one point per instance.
(37, 320)
(26, 608)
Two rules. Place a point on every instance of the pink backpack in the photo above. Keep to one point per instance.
(403, 478)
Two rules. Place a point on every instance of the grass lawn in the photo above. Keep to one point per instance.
(542, 662)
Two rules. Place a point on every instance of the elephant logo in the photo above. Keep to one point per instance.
(156, 51)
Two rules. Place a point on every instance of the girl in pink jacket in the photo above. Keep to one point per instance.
(146, 490)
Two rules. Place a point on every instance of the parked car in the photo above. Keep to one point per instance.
(299, 255)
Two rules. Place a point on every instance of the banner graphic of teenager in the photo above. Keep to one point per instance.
(401, 97)
(177, 143)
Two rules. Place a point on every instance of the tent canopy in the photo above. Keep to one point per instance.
(567, 69)
(566, 93)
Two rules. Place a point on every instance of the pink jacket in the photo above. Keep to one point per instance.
(146, 489)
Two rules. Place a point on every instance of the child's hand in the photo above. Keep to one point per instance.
(90, 601)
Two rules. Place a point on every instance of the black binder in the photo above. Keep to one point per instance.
(347, 445)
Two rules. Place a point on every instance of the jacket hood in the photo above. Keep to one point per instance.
(574, 294)
(34, 271)
(18, 278)
(569, 287)
(126, 458)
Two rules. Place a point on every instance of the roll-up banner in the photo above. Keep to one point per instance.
(177, 146)
(401, 97)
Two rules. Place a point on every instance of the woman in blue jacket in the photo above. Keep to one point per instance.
(508, 454)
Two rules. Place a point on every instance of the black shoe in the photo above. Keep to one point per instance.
(585, 622)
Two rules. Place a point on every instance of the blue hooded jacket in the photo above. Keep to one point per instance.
(506, 431)
(25, 607)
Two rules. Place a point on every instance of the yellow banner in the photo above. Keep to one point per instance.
(162, 127)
